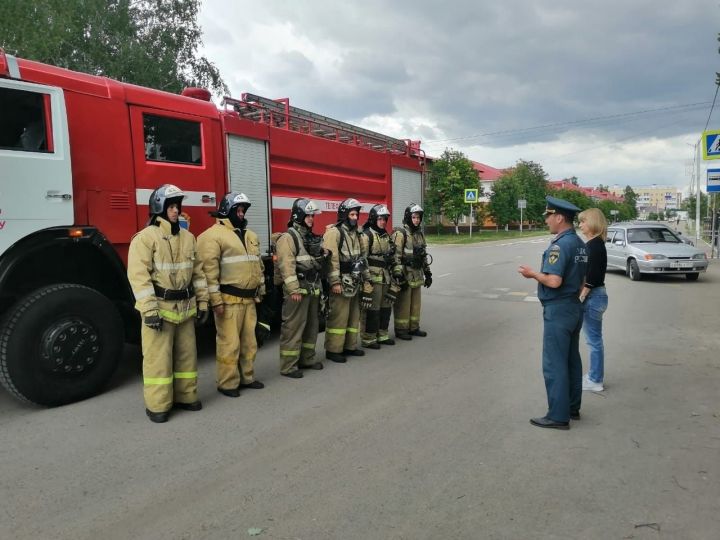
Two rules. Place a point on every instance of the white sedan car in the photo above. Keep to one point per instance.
(646, 248)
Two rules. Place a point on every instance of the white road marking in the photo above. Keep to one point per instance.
(531, 299)
(445, 275)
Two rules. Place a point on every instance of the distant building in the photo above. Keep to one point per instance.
(592, 192)
(657, 199)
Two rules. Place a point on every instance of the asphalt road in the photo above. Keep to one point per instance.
(427, 439)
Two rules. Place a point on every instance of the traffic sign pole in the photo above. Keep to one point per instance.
(471, 219)
(522, 203)
(471, 197)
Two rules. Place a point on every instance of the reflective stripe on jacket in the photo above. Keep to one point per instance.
(157, 256)
(289, 263)
(226, 261)
(414, 276)
(351, 248)
(375, 252)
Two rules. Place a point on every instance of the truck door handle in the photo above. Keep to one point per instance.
(55, 195)
(208, 198)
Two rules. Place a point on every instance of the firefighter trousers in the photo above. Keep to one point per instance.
(298, 333)
(376, 320)
(407, 310)
(169, 365)
(236, 346)
(343, 323)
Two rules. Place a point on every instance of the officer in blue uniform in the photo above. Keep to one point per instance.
(559, 283)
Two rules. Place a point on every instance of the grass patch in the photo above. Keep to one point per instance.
(480, 236)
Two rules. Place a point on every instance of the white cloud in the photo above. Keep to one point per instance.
(471, 67)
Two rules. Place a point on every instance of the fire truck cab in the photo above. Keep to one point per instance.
(79, 157)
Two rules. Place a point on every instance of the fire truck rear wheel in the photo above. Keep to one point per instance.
(59, 344)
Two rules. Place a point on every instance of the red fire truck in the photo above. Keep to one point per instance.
(79, 157)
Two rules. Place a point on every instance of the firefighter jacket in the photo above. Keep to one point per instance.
(411, 248)
(233, 267)
(162, 265)
(346, 247)
(380, 251)
(298, 271)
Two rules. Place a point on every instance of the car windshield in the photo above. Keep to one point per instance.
(652, 234)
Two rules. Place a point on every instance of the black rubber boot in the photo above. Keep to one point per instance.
(335, 357)
(157, 417)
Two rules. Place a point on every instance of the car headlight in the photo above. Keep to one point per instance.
(654, 257)
(699, 256)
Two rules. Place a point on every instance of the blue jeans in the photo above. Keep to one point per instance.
(593, 309)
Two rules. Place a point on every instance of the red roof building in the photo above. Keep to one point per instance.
(594, 193)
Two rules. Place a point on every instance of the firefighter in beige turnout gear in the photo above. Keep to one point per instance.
(170, 293)
(415, 270)
(300, 264)
(230, 253)
(380, 252)
(350, 285)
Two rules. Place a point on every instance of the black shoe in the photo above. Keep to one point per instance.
(545, 422)
(388, 341)
(574, 415)
(353, 352)
(403, 335)
(417, 332)
(335, 357)
(372, 346)
(257, 385)
(316, 366)
(293, 374)
(230, 392)
(194, 406)
(157, 417)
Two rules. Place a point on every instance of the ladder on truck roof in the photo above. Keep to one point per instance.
(279, 113)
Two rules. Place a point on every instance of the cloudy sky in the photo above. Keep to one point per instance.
(613, 92)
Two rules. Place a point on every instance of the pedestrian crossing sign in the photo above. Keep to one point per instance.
(471, 196)
(711, 144)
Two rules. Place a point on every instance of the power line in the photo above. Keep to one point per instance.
(516, 138)
(717, 87)
(686, 106)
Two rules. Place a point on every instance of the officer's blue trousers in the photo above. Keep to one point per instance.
(562, 367)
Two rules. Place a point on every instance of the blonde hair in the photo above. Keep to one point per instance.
(596, 222)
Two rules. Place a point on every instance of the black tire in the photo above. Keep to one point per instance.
(693, 276)
(60, 344)
(633, 270)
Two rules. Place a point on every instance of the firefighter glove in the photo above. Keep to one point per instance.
(366, 300)
(428, 278)
(153, 321)
(202, 317)
(391, 296)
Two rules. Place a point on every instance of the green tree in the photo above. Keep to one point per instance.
(690, 204)
(151, 43)
(527, 180)
(448, 179)
(503, 201)
(603, 188)
(630, 202)
(578, 198)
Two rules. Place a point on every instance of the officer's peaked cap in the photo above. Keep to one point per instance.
(560, 206)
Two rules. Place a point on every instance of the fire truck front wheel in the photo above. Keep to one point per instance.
(59, 344)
